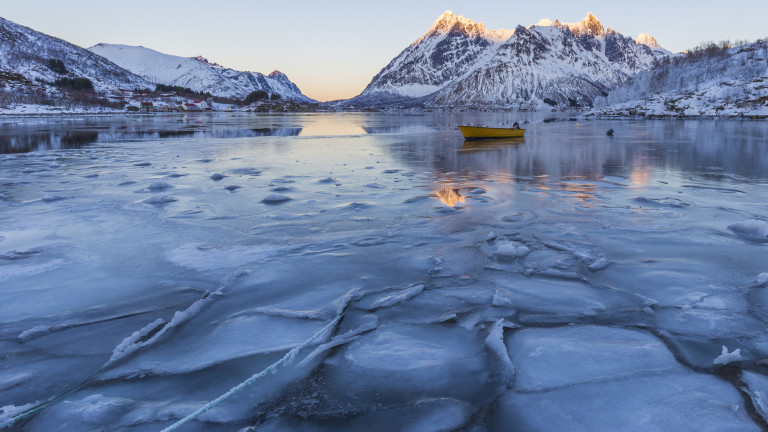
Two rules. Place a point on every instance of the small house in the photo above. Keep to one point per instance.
(203, 105)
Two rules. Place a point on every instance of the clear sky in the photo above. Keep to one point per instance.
(331, 49)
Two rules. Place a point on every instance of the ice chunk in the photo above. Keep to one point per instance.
(232, 339)
(275, 199)
(562, 298)
(158, 185)
(752, 229)
(666, 401)
(97, 410)
(20, 254)
(757, 389)
(728, 357)
(495, 342)
(403, 361)
(217, 176)
(398, 297)
(761, 280)
(367, 323)
(511, 250)
(428, 415)
(557, 357)
(709, 324)
(135, 341)
(160, 199)
(246, 171)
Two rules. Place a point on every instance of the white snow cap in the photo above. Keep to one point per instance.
(589, 25)
(448, 19)
(445, 22)
(647, 39)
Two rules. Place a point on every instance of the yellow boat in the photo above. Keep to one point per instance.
(477, 132)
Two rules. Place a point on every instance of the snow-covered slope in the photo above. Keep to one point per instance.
(197, 73)
(460, 63)
(715, 81)
(28, 52)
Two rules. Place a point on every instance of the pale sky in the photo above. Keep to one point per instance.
(331, 49)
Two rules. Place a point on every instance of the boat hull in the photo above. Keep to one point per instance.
(476, 132)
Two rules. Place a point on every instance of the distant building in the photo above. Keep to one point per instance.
(203, 105)
(191, 107)
(147, 106)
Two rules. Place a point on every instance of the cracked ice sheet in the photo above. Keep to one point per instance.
(429, 415)
(664, 402)
(550, 358)
(400, 362)
(561, 298)
(235, 338)
(609, 379)
(757, 389)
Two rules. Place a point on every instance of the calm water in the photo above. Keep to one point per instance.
(150, 264)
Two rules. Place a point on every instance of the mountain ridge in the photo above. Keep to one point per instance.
(29, 53)
(460, 63)
(197, 73)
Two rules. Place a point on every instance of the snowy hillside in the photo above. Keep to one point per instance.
(30, 53)
(460, 63)
(197, 73)
(711, 81)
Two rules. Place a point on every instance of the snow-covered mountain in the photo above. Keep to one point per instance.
(460, 63)
(713, 81)
(452, 46)
(197, 73)
(650, 42)
(39, 57)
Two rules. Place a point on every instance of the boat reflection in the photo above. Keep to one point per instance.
(490, 144)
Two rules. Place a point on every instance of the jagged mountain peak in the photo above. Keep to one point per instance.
(590, 25)
(449, 22)
(648, 40)
(208, 63)
(276, 74)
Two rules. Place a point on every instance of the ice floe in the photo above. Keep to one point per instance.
(427, 360)
(751, 229)
(728, 357)
(275, 199)
(575, 378)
